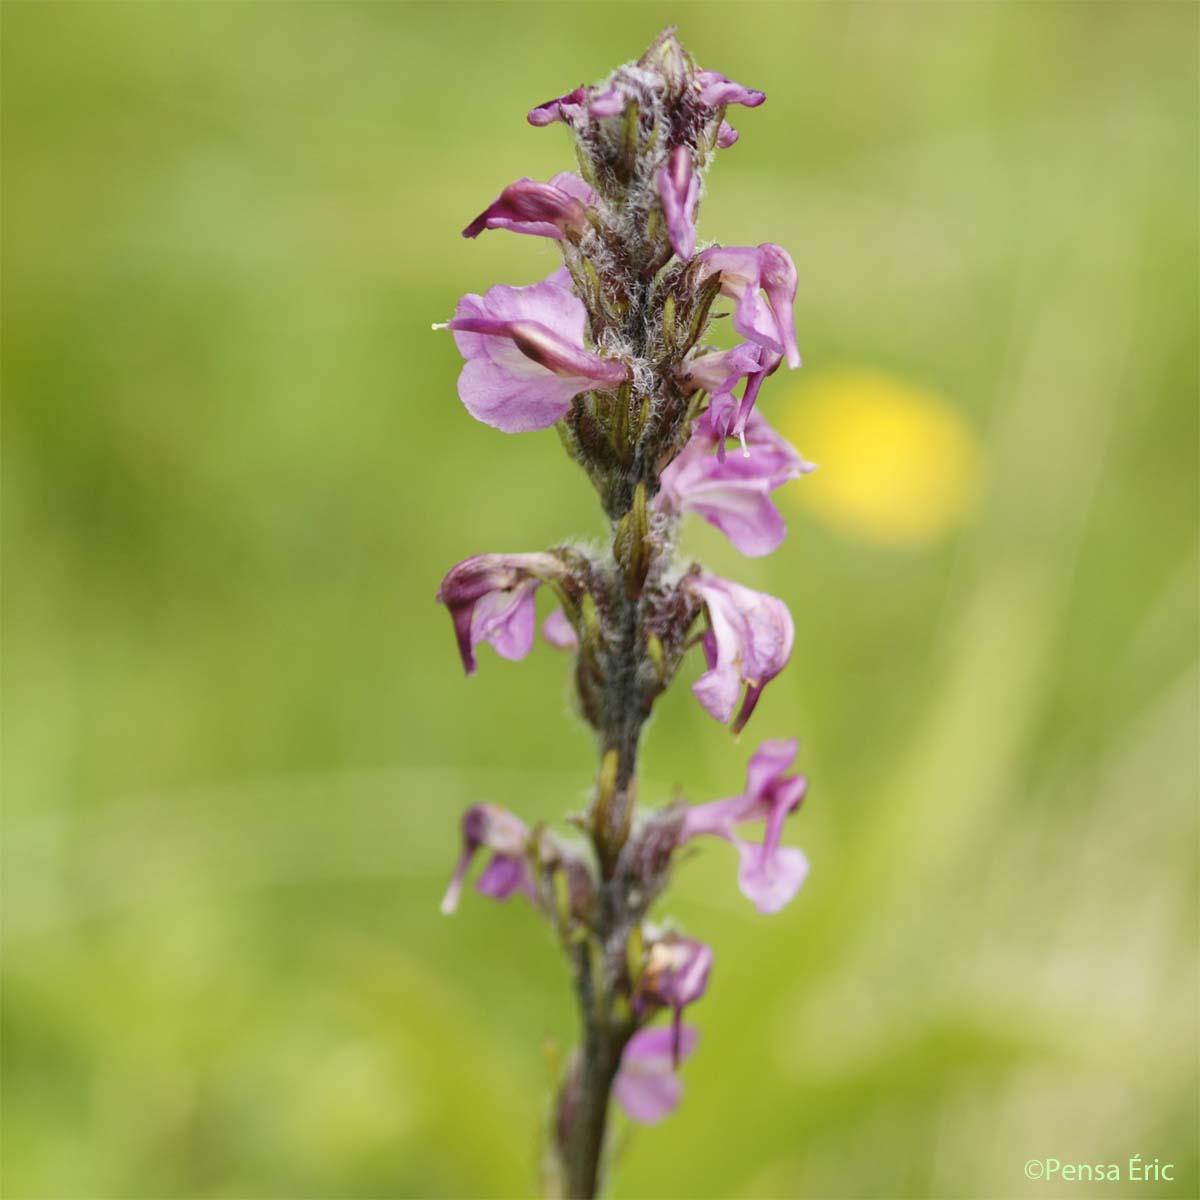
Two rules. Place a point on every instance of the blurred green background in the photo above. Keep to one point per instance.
(237, 736)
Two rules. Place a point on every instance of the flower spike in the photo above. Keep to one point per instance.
(613, 350)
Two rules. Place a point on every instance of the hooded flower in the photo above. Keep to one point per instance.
(679, 190)
(748, 641)
(525, 355)
(578, 106)
(542, 209)
(747, 270)
(734, 494)
(484, 826)
(646, 1086)
(770, 874)
(725, 421)
(718, 372)
(676, 975)
(491, 599)
(717, 91)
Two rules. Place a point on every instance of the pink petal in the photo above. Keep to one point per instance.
(513, 404)
(558, 631)
(768, 762)
(718, 691)
(771, 880)
(744, 515)
(647, 1087)
(506, 620)
(502, 876)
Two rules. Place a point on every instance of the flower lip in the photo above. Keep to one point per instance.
(647, 1086)
(525, 354)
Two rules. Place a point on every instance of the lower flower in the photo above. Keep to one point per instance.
(648, 1086)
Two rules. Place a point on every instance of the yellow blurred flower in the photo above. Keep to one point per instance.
(899, 466)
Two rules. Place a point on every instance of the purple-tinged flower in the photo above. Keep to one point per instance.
(748, 641)
(676, 975)
(525, 355)
(679, 190)
(745, 270)
(734, 493)
(578, 105)
(559, 632)
(491, 599)
(726, 136)
(770, 874)
(716, 91)
(541, 209)
(718, 372)
(647, 1086)
(726, 421)
(484, 826)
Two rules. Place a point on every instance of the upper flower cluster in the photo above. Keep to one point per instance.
(611, 350)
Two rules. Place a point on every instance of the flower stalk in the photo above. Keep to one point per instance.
(610, 350)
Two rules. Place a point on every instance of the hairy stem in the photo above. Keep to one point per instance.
(601, 1058)
(623, 720)
(604, 1011)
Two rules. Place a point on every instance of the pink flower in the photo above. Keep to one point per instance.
(679, 189)
(734, 494)
(745, 270)
(542, 209)
(717, 91)
(718, 372)
(647, 1086)
(578, 106)
(484, 826)
(491, 599)
(748, 642)
(676, 975)
(770, 874)
(525, 355)
(727, 420)
(726, 136)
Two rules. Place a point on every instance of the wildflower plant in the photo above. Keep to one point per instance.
(610, 350)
